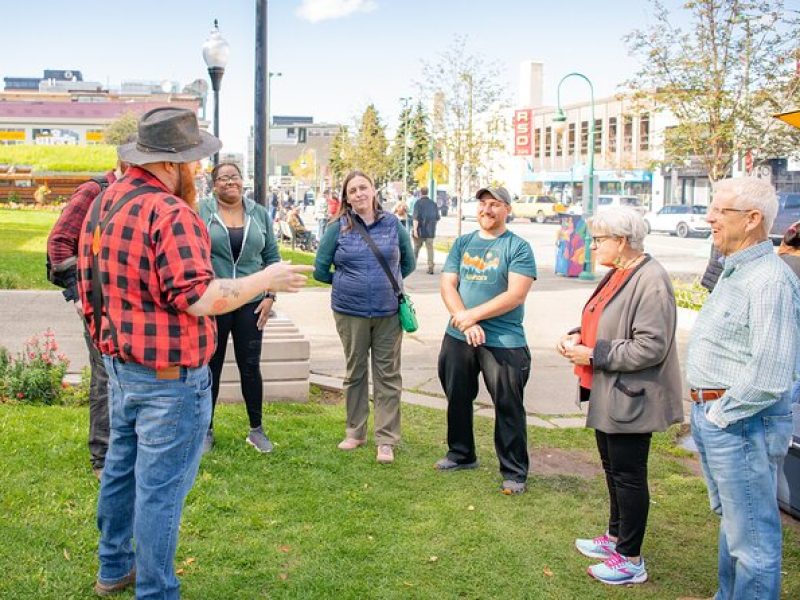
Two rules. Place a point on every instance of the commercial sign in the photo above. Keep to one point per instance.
(523, 132)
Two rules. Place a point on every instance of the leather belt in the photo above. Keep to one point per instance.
(706, 395)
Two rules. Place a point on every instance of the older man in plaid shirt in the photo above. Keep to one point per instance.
(742, 360)
(148, 294)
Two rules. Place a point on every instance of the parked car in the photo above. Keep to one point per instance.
(606, 201)
(469, 208)
(680, 220)
(537, 208)
(788, 213)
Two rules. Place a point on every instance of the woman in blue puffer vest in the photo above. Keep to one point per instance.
(365, 309)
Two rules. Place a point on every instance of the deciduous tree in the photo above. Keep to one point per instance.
(722, 74)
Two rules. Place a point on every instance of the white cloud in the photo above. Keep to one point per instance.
(322, 10)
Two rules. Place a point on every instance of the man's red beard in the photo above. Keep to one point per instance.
(188, 190)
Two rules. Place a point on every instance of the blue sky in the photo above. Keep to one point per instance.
(335, 55)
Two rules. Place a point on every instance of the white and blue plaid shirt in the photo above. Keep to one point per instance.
(747, 334)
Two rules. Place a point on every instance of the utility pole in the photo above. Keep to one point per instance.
(405, 100)
(260, 117)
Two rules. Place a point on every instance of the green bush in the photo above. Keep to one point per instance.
(689, 295)
(36, 374)
(95, 158)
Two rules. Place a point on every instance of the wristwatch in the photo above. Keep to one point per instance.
(271, 295)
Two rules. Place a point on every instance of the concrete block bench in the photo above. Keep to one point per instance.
(285, 356)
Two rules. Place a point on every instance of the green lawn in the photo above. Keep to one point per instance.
(310, 521)
(23, 248)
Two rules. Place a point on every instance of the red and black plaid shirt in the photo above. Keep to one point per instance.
(154, 263)
(63, 240)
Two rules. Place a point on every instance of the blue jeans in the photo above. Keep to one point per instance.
(157, 429)
(740, 467)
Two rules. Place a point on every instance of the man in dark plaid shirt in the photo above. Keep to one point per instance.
(62, 252)
(157, 336)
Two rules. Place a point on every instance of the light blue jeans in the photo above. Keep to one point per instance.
(740, 466)
(157, 429)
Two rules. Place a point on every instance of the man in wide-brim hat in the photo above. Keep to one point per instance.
(148, 292)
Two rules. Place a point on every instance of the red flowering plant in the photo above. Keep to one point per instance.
(35, 374)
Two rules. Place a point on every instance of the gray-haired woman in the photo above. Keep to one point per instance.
(627, 365)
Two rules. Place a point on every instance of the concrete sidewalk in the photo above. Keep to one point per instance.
(553, 307)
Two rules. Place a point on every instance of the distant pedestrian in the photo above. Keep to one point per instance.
(400, 211)
(741, 361)
(334, 204)
(484, 284)
(62, 252)
(426, 215)
(148, 293)
(365, 308)
(321, 212)
(628, 372)
(411, 202)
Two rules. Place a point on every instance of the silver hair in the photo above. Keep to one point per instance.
(752, 192)
(621, 222)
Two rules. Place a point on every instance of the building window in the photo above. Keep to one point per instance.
(644, 132)
(559, 142)
(598, 135)
(571, 138)
(537, 139)
(11, 135)
(627, 134)
(612, 135)
(548, 141)
(584, 137)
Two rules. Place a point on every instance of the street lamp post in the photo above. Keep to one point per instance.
(560, 120)
(215, 54)
(405, 101)
(260, 129)
(269, 111)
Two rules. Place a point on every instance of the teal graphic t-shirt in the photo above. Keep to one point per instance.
(482, 266)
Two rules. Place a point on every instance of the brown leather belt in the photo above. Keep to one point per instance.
(706, 395)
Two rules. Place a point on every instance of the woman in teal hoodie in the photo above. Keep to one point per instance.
(242, 243)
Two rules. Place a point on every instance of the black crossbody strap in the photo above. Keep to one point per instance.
(367, 238)
(97, 228)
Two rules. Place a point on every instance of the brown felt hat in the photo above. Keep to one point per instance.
(168, 134)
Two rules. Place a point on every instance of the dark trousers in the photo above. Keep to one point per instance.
(241, 323)
(624, 457)
(505, 373)
(98, 404)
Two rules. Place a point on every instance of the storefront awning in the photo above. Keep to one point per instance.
(577, 174)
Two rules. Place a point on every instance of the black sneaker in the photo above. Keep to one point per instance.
(445, 464)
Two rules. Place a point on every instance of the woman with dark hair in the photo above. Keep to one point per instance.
(242, 242)
(365, 308)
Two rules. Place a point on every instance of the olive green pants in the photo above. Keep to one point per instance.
(379, 339)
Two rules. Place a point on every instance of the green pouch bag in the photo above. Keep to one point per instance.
(407, 314)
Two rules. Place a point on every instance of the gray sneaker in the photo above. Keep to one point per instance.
(208, 441)
(259, 440)
(511, 487)
(446, 464)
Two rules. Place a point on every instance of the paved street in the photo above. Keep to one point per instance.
(683, 257)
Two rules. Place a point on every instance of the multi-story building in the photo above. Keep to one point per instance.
(291, 137)
(62, 108)
(628, 149)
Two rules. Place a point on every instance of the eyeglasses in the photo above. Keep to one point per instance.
(599, 239)
(228, 179)
(719, 211)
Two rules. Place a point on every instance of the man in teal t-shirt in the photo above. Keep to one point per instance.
(484, 283)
